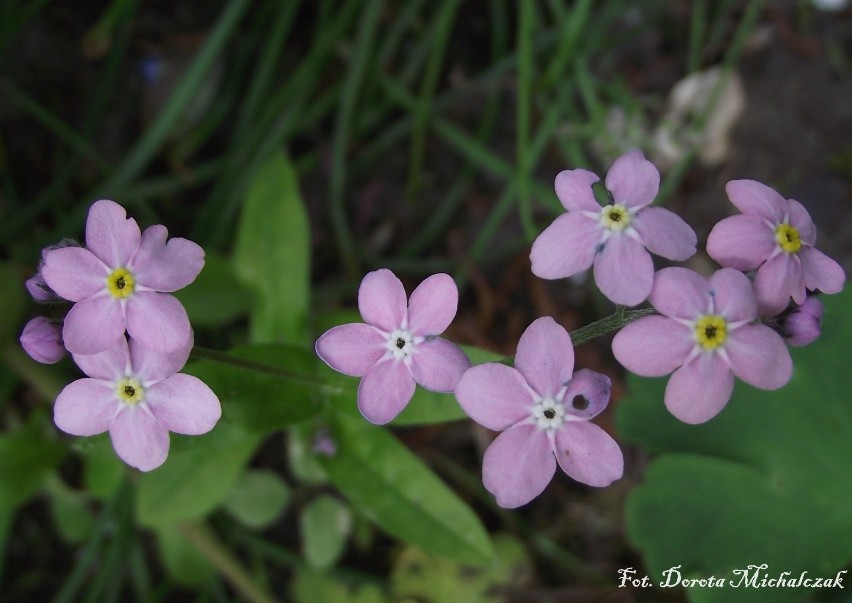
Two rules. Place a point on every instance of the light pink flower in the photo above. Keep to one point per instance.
(615, 238)
(42, 340)
(399, 346)
(802, 325)
(776, 237)
(121, 279)
(137, 394)
(543, 409)
(707, 334)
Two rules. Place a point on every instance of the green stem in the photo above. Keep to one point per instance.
(615, 321)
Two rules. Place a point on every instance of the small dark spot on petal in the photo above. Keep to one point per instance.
(580, 403)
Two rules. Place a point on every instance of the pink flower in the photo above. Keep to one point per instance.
(776, 237)
(543, 409)
(615, 238)
(707, 334)
(42, 340)
(399, 346)
(802, 325)
(137, 394)
(121, 279)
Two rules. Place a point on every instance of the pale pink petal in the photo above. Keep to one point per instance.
(566, 247)
(699, 390)
(733, 295)
(588, 454)
(85, 407)
(111, 364)
(624, 271)
(518, 465)
(139, 439)
(545, 356)
(494, 395)
(800, 219)
(633, 180)
(74, 273)
(776, 281)
(93, 325)
(40, 290)
(665, 233)
(352, 348)
(151, 366)
(163, 266)
(574, 189)
(384, 391)
(757, 199)
(587, 394)
(680, 293)
(433, 305)
(184, 404)
(110, 234)
(759, 357)
(382, 300)
(653, 346)
(438, 365)
(158, 321)
(821, 272)
(743, 242)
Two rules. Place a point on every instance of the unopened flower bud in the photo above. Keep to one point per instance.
(42, 340)
(802, 325)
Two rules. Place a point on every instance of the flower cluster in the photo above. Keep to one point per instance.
(120, 284)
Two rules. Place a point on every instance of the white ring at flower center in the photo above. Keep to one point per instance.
(400, 344)
(549, 414)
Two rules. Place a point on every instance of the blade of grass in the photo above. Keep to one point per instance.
(524, 91)
(697, 24)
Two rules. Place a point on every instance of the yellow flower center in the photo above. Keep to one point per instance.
(121, 283)
(788, 238)
(615, 217)
(711, 331)
(130, 391)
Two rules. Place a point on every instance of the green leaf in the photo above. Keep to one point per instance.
(217, 296)
(393, 487)
(269, 391)
(766, 481)
(27, 456)
(70, 512)
(183, 562)
(272, 254)
(324, 525)
(103, 471)
(310, 587)
(258, 499)
(197, 476)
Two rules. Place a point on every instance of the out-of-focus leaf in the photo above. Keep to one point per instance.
(324, 524)
(27, 456)
(766, 481)
(303, 463)
(13, 295)
(311, 587)
(272, 254)
(103, 471)
(71, 513)
(185, 564)
(258, 499)
(393, 487)
(217, 296)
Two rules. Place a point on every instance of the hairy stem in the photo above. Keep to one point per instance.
(613, 322)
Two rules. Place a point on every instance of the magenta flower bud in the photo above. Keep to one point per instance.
(802, 325)
(39, 290)
(42, 340)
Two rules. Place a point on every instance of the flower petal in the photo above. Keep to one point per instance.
(800, 219)
(776, 281)
(757, 199)
(566, 247)
(574, 189)
(381, 300)
(759, 357)
(545, 356)
(139, 439)
(733, 295)
(74, 273)
(438, 365)
(352, 348)
(494, 395)
(184, 404)
(587, 394)
(158, 321)
(665, 233)
(680, 293)
(518, 465)
(151, 366)
(384, 391)
(743, 242)
(624, 271)
(433, 305)
(821, 272)
(111, 364)
(699, 390)
(93, 325)
(633, 180)
(588, 454)
(110, 234)
(653, 346)
(165, 266)
(85, 407)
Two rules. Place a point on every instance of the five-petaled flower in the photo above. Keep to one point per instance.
(775, 236)
(137, 394)
(398, 345)
(707, 334)
(122, 279)
(543, 409)
(615, 238)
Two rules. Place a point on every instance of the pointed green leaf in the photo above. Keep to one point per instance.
(217, 296)
(324, 525)
(258, 499)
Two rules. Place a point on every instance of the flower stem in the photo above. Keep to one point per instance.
(613, 322)
(202, 353)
